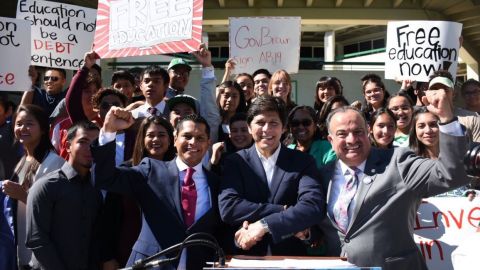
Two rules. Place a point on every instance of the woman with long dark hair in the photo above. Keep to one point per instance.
(374, 93)
(326, 88)
(31, 129)
(230, 100)
(382, 128)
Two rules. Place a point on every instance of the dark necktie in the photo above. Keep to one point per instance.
(340, 209)
(189, 198)
(152, 110)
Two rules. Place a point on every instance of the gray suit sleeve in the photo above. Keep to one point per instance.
(430, 177)
(39, 218)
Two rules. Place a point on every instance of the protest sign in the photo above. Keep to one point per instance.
(265, 42)
(143, 27)
(441, 224)
(14, 43)
(416, 49)
(61, 33)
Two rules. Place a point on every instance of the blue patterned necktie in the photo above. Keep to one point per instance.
(340, 209)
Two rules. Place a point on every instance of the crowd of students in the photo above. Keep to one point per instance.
(50, 127)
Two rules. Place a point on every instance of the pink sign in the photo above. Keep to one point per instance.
(143, 27)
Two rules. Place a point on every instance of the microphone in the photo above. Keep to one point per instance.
(152, 261)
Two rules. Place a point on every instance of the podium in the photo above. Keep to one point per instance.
(289, 262)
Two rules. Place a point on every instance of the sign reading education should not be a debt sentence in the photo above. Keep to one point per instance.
(265, 42)
(416, 49)
(14, 43)
(143, 27)
(61, 33)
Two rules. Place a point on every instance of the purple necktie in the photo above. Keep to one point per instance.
(189, 197)
(340, 209)
(152, 110)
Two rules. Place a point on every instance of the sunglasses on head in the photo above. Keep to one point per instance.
(106, 105)
(52, 78)
(303, 122)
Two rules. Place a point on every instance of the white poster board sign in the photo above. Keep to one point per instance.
(145, 27)
(61, 33)
(416, 49)
(440, 226)
(14, 51)
(265, 42)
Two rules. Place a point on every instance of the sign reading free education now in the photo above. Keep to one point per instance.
(14, 43)
(61, 33)
(416, 49)
(144, 27)
(265, 42)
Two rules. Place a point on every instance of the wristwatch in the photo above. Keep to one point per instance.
(264, 225)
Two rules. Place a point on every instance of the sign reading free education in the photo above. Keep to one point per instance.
(265, 42)
(147, 27)
(61, 33)
(441, 224)
(14, 42)
(416, 49)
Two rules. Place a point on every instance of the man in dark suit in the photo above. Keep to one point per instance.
(177, 198)
(373, 194)
(271, 191)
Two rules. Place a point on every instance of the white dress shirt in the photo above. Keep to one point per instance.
(269, 164)
(338, 183)
(142, 111)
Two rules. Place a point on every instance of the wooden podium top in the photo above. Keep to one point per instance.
(289, 262)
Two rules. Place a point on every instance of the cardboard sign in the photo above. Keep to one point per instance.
(143, 27)
(440, 226)
(416, 49)
(272, 43)
(14, 43)
(61, 33)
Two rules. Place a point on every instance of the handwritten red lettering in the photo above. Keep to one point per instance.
(426, 249)
(8, 79)
(58, 47)
(474, 219)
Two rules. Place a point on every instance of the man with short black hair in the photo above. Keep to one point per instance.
(63, 208)
(270, 191)
(54, 81)
(178, 198)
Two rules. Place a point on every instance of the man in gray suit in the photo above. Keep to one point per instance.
(373, 194)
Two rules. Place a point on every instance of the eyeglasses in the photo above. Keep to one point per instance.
(303, 122)
(106, 105)
(53, 78)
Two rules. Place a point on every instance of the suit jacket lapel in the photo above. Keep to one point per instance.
(254, 161)
(173, 188)
(278, 172)
(328, 172)
(364, 184)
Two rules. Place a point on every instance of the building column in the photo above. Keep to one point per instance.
(329, 49)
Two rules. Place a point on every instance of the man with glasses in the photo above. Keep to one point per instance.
(54, 81)
(471, 95)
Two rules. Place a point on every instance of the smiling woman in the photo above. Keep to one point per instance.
(305, 135)
(31, 129)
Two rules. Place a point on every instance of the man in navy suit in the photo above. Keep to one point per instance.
(272, 192)
(158, 186)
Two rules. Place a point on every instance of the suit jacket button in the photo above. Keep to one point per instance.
(347, 240)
